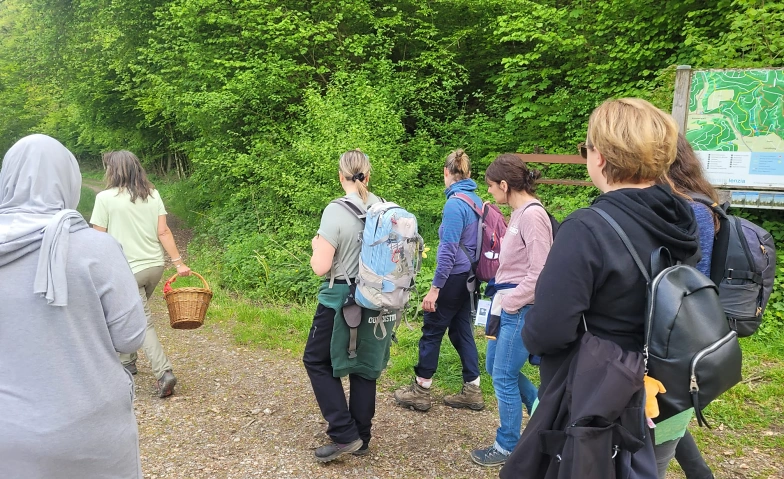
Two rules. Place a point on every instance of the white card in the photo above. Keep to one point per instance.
(482, 312)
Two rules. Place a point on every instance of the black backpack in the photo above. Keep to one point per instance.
(743, 266)
(689, 345)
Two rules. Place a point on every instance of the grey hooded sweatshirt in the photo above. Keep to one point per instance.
(66, 402)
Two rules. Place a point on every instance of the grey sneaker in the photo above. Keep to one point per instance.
(131, 367)
(414, 396)
(166, 384)
(489, 457)
(470, 397)
(334, 450)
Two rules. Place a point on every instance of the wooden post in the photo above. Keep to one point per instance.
(680, 101)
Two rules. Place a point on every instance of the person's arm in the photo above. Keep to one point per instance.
(167, 241)
(100, 216)
(564, 290)
(120, 300)
(324, 244)
(535, 231)
(323, 255)
(449, 242)
(452, 225)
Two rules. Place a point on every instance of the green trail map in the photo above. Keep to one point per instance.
(736, 124)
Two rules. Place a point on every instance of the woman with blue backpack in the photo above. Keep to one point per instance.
(524, 250)
(336, 252)
(447, 305)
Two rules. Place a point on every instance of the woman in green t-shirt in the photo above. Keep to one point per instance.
(336, 257)
(131, 210)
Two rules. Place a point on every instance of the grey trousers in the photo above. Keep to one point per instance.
(147, 280)
(664, 454)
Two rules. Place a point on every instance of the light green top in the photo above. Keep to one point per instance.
(674, 427)
(133, 225)
(342, 230)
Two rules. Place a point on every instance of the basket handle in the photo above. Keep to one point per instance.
(174, 278)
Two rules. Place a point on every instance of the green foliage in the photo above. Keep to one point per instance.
(86, 202)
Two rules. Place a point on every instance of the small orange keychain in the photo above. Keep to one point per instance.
(652, 388)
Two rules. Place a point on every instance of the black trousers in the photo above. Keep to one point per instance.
(453, 312)
(691, 461)
(347, 421)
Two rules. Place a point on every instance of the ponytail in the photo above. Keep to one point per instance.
(512, 169)
(355, 167)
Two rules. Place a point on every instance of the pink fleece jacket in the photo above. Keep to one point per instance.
(524, 250)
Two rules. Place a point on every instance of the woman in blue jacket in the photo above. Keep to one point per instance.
(448, 303)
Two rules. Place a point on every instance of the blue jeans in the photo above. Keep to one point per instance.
(505, 358)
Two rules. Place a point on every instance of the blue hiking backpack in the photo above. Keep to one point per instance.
(390, 258)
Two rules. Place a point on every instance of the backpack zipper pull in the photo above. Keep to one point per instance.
(693, 387)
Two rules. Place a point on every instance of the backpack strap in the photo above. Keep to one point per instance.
(627, 242)
(361, 215)
(482, 213)
(552, 231)
(467, 199)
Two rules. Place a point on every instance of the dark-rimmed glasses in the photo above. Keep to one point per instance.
(583, 149)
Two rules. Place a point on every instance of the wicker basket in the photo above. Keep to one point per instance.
(187, 306)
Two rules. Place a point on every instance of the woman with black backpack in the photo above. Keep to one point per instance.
(524, 250)
(591, 297)
(687, 177)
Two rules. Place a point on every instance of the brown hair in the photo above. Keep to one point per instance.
(686, 175)
(510, 168)
(355, 166)
(124, 171)
(636, 139)
(458, 164)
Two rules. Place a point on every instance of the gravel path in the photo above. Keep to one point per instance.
(243, 412)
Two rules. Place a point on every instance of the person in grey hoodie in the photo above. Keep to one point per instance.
(69, 305)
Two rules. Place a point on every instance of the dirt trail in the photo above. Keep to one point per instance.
(243, 412)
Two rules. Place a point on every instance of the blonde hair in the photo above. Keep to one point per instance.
(458, 164)
(355, 166)
(637, 140)
(124, 171)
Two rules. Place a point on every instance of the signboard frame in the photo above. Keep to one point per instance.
(741, 195)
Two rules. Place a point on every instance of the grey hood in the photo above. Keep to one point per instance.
(40, 185)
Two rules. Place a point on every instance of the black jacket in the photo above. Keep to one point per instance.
(590, 272)
(590, 420)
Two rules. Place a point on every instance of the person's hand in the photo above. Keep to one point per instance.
(429, 303)
(183, 270)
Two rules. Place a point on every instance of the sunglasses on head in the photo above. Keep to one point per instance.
(583, 149)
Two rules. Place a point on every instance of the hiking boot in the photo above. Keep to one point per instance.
(489, 457)
(470, 397)
(166, 384)
(131, 367)
(363, 451)
(414, 396)
(333, 451)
